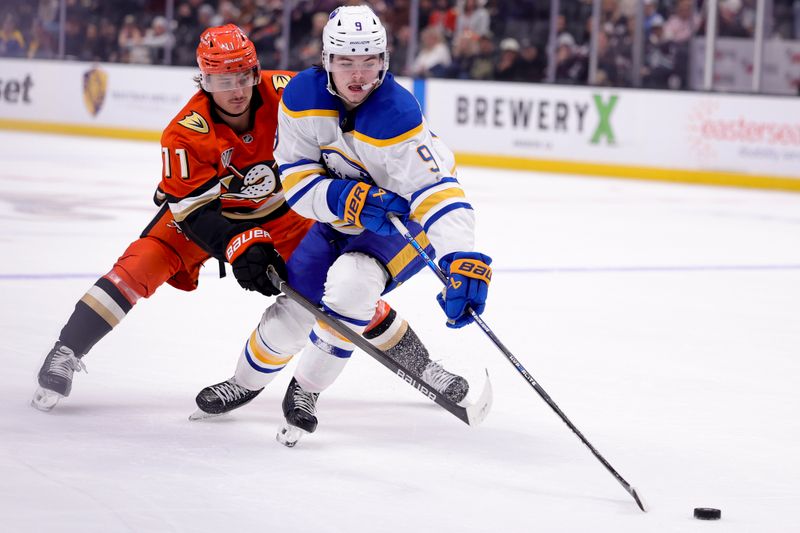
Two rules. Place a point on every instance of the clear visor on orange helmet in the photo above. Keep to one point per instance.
(355, 63)
(228, 82)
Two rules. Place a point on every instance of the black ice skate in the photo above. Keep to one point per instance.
(55, 376)
(222, 398)
(453, 386)
(299, 408)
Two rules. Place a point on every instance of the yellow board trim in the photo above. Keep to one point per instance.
(435, 199)
(79, 129)
(310, 112)
(704, 177)
(387, 142)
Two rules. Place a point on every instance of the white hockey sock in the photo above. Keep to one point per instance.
(281, 333)
(324, 358)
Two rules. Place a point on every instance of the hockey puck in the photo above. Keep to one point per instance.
(707, 513)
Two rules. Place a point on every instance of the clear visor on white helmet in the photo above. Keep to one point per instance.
(372, 63)
(214, 83)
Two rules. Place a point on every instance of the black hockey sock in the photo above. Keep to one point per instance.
(394, 336)
(101, 308)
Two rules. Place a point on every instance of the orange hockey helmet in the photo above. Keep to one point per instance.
(227, 59)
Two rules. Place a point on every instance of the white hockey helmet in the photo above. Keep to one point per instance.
(353, 31)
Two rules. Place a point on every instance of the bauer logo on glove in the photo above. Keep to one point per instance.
(366, 206)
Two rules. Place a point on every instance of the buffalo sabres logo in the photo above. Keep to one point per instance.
(195, 122)
(95, 83)
(340, 166)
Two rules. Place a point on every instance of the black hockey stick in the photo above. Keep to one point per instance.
(472, 415)
(514, 361)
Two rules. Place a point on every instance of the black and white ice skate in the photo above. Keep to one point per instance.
(299, 408)
(222, 398)
(453, 386)
(55, 376)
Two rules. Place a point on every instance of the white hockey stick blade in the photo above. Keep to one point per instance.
(45, 399)
(478, 411)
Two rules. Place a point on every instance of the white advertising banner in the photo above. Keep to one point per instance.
(668, 130)
(104, 95)
(682, 136)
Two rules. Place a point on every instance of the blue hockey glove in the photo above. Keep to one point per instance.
(469, 275)
(366, 206)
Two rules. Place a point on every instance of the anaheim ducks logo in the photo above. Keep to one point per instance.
(254, 183)
(195, 122)
(95, 83)
(280, 81)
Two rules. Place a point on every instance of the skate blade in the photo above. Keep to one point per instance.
(199, 414)
(45, 399)
(288, 435)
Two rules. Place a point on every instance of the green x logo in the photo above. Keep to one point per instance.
(604, 126)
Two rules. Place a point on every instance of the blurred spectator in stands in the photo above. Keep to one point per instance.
(159, 41)
(398, 48)
(308, 51)
(108, 36)
(682, 24)
(130, 42)
(265, 35)
(91, 46)
(520, 20)
(508, 65)
(571, 66)
(248, 11)
(531, 62)
(227, 13)
(651, 14)
(483, 64)
(658, 68)
(473, 19)
(443, 15)
(187, 33)
(608, 71)
(73, 36)
(730, 24)
(42, 43)
(434, 56)
(47, 12)
(12, 44)
(465, 49)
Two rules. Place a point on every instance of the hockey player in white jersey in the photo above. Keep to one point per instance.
(352, 146)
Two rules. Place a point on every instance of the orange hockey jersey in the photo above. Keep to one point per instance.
(215, 179)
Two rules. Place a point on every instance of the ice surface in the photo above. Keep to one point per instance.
(663, 319)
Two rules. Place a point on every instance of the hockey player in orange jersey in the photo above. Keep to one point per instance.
(219, 195)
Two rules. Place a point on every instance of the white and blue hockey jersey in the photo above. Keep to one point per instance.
(385, 141)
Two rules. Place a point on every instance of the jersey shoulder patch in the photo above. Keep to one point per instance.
(280, 81)
(307, 92)
(195, 122)
(391, 111)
